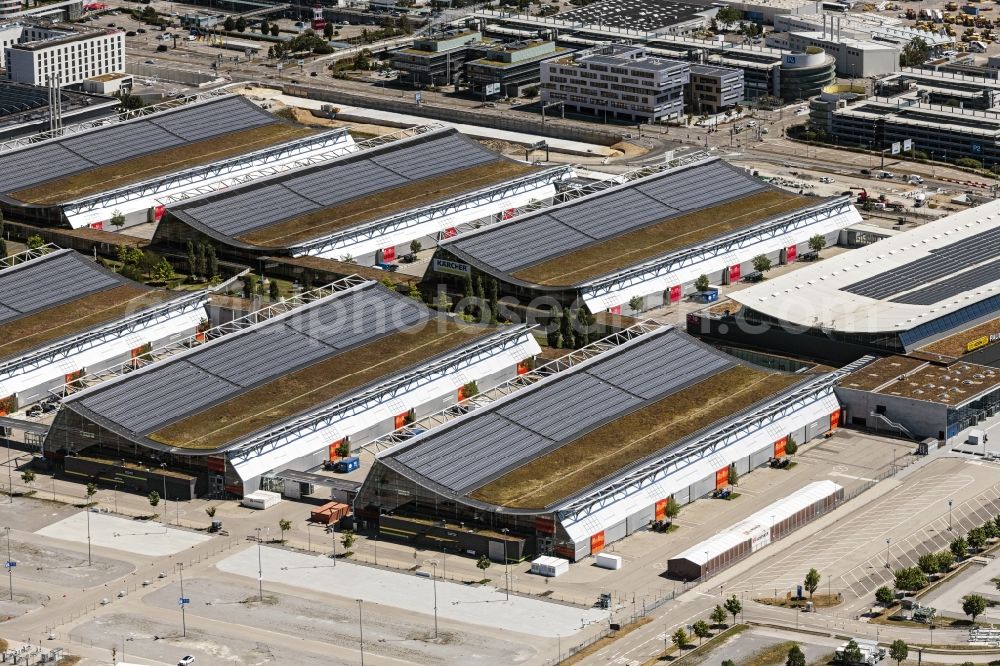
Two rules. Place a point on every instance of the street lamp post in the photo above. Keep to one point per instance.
(10, 569)
(506, 563)
(434, 567)
(334, 544)
(87, 509)
(260, 569)
(183, 615)
(163, 474)
(361, 631)
(949, 515)
(887, 542)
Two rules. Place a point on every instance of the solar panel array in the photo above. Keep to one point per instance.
(952, 286)
(46, 283)
(50, 161)
(938, 263)
(516, 246)
(147, 402)
(466, 456)
(642, 15)
(244, 210)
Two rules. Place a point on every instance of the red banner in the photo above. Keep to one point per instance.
(333, 455)
(450, 232)
(675, 293)
(661, 510)
(834, 419)
(158, 212)
(734, 274)
(235, 489)
(509, 213)
(597, 542)
(616, 310)
(389, 253)
(216, 464)
(399, 421)
(722, 478)
(97, 225)
(545, 525)
(791, 252)
(779, 447)
(522, 368)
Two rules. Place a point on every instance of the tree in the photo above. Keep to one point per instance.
(91, 490)
(885, 596)
(284, 525)
(343, 449)
(154, 498)
(734, 476)
(959, 547)
(229, 24)
(273, 291)
(761, 264)
(264, 27)
(728, 662)
(915, 53)
(976, 538)
(161, 271)
(974, 606)
(28, 476)
(728, 16)
(817, 243)
(928, 563)
(117, 219)
(213, 262)
(945, 561)
(201, 260)
(671, 511)
(35, 242)
(791, 446)
(701, 284)
(898, 651)
(480, 296)
(415, 245)
(989, 530)
(192, 261)
(328, 31)
(718, 615)
(852, 653)
(680, 639)
(811, 582)
(249, 285)
(701, 630)
(733, 607)
(274, 29)
(581, 332)
(210, 511)
(552, 337)
(347, 540)
(910, 578)
(566, 328)
(494, 301)
(636, 303)
(483, 563)
(795, 656)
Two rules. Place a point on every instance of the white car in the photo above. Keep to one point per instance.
(826, 179)
(751, 123)
(185, 660)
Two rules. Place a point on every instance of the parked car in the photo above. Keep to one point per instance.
(141, 31)
(130, 33)
(185, 660)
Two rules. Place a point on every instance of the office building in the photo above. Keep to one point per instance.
(507, 69)
(438, 59)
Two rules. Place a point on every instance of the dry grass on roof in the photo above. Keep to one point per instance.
(657, 239)
(583, 461)
(67, 319)
(196, 153)
(313, 385)
(879, 372)
(955, 345)
(385, 203)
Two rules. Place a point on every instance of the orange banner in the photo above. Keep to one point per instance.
(779, 447)
(722, 478)
(597, 542)
(834, 419)
(661, 510)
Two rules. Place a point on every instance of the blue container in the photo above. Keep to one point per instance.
(347, 465)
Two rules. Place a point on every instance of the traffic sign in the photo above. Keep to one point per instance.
(977, 147)
(492, 88)
(896, 146)
(182, 601)
(417, 97)
(10, 564)
(907, 144)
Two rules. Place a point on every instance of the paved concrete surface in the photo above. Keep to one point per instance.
(976, 579)
(482, 605)
(139, 537)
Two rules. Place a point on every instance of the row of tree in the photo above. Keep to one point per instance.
(202, 262)
(702, 630)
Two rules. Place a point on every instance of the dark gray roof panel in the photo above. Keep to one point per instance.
(153, 398)
(251, 210)
(269, 353)
(532, 239)
(25, 168)
(424, 160)
(353, 318)
(487, 444)
(952, 286)
(203, 121)
(353, 180)
(65, 277)
(59, 158)
(938, 263)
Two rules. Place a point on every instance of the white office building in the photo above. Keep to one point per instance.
(39, 54)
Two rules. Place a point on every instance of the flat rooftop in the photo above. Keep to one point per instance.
(542, 445)
(315, 201)
(896, 284)
(21, 102)
(570, 244)
(112, 156)
(965, 341)
(61, 295)
(985, 123)
(641, 15)
(953, 384)
(251, 381)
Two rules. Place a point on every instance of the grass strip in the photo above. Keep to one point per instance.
(383, 204)
(657, 239)
(308, 387)
(69, 318)
(196, 153)
(583, 461)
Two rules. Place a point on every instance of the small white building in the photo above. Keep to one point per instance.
(108, 84)
(549, 566)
